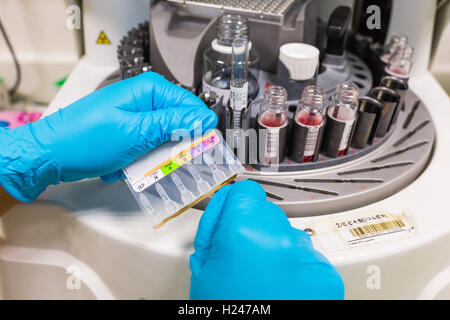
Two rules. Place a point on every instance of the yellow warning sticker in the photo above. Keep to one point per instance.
(102, 38)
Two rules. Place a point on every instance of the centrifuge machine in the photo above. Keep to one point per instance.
(379, 214)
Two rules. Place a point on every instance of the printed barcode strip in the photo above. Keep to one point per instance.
(378, 227)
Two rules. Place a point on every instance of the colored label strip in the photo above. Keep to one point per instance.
(173, 163)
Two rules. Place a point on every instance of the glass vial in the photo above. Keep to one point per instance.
(273, 115)
(310, 114)
(218, 58)
(239, 79)
(401, 62)
(344, 108)
(396, 41)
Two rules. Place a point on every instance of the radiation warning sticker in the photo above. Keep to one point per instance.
(102, 38)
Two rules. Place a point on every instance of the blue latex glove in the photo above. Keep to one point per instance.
(97, 135)
(245, 248)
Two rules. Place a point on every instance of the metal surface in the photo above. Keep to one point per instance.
(181, 31)
(267, 9)
(298, 203)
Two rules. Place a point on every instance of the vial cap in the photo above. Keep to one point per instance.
(300, 59)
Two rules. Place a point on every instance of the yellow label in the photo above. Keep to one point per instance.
(182, 156)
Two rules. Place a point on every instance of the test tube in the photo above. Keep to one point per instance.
(396, 41)
(170, 205)
(218, 175)
(343, 109)
(239, 79)
(310, 114)
(273, 115)
(399, 65)
(186, 195)
(202, 185)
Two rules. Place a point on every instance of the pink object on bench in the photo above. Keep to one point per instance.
(13, 119)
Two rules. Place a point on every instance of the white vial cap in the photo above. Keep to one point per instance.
(300, 59)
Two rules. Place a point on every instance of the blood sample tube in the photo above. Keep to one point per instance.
(400, 63)
(395, 42)
(310, 115)
(273, 116)
(343, 109)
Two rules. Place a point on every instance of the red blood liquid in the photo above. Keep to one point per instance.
(341, 152)
(272, 119)
(398, 72)
(309, 119)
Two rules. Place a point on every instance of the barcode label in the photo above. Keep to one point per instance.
(311, 139)
(351, 230)
(272, 144)
(346, 135)
(372, 228)
(376, 228)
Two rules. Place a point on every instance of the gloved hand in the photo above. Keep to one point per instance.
(98, 134)
(245, 248)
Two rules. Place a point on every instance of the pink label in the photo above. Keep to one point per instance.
(211, 141)
(16, 119)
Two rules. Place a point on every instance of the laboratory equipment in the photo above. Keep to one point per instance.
(239, 80)
(104, 218)
(412, 132)
(285, 20)
(369, 115)
(186, 195)
(400, 151)
(190, 164)
(399, 65)
(308, 125)
(381, 59)
(298, 66)
(273, 126)
(411, 114)
(390, 101)
(342, 115)
(400, 86)
(218, 60)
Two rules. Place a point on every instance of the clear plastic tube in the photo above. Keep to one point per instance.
(186, 195)
(170, 205)
(343, 108)
(310, 114)
(150, 210)
(273, 114)
(218, 175)
(202, 185)
(239, 79)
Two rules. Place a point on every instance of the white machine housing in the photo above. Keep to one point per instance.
(89, 240)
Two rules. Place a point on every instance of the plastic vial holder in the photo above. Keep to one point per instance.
(179, 174)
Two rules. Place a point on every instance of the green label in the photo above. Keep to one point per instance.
(168, 168)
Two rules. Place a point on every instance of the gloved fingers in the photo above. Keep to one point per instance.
(158, 126)
(152, 91)
(206, 229)
(245, 197)
(113, 177)
(247, 190)
(303, 239)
